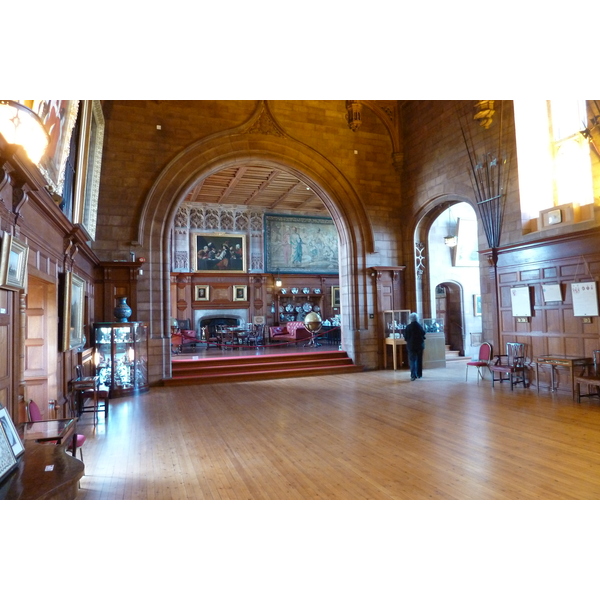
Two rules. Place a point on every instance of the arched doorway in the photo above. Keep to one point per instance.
(448, 270)
(254, 142)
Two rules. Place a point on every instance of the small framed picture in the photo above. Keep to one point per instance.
(12, 436)
(202, 292)
(8, 460)
(13, 263)
(335, 296)
(240, 293)
(477, 305)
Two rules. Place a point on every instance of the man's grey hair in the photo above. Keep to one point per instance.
(413, 317)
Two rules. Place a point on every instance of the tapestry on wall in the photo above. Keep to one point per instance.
(301, 245)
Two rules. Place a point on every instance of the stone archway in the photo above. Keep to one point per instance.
(259, 140)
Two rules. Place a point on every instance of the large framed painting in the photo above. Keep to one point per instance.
(89, 161)
(301, 245)
(218, 252)
(73, 311)
(58, 116)
(13, 263)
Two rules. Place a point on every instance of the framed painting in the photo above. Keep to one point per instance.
(58, 117)
(224, 252)
(89, 162)
(14, 440)
(73, 311)
(201, 292)
(301, 245)
(335, 296)
(477, 305)
(13, 263)
(240, 293)
(466, 252)
(8, 460)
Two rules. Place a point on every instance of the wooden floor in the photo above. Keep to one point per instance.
(373, 435)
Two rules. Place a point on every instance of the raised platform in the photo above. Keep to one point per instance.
(196, 370)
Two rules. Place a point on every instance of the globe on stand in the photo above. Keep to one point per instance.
(313, 323)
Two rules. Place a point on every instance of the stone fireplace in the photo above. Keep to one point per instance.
(211, 318)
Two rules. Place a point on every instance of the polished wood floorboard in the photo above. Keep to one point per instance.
(370, 435)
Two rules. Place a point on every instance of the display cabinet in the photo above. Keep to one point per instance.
(434, 355)
(121, 357)
(294, 304)
(394, 324)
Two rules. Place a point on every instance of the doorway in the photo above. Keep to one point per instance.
(449, 308)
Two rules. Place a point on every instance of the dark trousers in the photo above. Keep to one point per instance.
(415, 360)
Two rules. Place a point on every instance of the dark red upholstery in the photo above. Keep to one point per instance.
(482, 360)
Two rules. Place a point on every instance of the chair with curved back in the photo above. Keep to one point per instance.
(483, 360)
(511, 365)
(34, 415)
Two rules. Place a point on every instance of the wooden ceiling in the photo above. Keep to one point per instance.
(258, 186)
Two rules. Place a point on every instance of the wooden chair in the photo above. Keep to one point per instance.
(591, 379)
(483, 360)
(511, 364)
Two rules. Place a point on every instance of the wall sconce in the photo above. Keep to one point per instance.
(450, 241)
(21, 126)
(353, 114)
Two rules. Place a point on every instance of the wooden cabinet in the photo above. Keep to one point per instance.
(121, 357)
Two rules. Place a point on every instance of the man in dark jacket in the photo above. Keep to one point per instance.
(414, 335)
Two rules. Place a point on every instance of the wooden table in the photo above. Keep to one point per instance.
(555, 361)
(44, 472)
(394, 343)
(55, 430)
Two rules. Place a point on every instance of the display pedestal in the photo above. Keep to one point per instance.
(434, 355)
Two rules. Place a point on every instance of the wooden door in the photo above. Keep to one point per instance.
(41, 343)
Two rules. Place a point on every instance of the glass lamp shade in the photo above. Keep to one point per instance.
(21, 126)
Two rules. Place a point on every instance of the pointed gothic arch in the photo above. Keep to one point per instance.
(260, 140)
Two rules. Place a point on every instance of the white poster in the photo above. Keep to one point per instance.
(521, 303)
(585, 299)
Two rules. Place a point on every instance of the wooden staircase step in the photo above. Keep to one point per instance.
(248, 368)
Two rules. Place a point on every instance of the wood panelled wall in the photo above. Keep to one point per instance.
(552, 328)
(30, 321)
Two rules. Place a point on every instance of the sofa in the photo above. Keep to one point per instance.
(294, 331)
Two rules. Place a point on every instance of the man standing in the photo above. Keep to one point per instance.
(414, 335)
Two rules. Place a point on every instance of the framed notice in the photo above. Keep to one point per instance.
(552, 292)
(585, 299)
(520, 301)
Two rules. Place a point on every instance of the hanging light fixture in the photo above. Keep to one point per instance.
(21, 126)
(451, 239)
(353, 114)
(278, 282)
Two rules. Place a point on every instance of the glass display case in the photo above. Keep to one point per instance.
(394, 323)
(433, 325)
(121, 357)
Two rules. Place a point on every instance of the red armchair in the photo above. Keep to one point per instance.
(294, 331)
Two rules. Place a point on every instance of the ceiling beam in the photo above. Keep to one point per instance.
(232, 184)
(263, 186)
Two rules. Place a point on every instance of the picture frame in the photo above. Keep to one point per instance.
(520, 301)
(240, 293)
(202, 292)
(335, 296)
(10, 430)
(89, 163)
(466, 252)
(218, 252)
(552, 292)
(585, 299)
(301, 245)
(13, 263)
(8, 460)
(58, 117)
(477, 305)
(73, 311)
